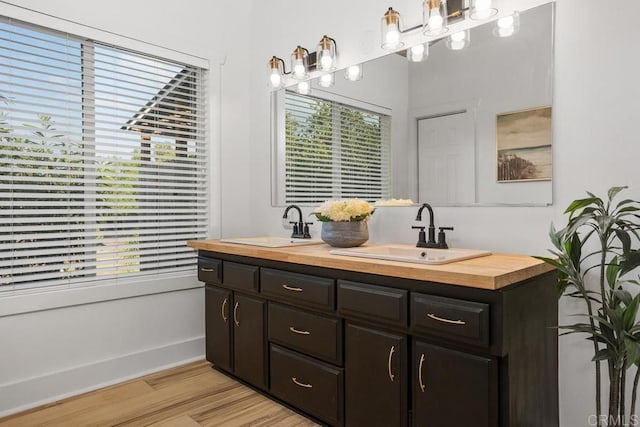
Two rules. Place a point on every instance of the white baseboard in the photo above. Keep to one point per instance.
(32, 392)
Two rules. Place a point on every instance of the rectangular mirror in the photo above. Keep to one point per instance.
(463, 127)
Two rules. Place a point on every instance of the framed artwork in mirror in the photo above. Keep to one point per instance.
(523, 145)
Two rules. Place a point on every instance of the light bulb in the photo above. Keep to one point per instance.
(417, 50)
(507, 25)
(298, 69)
(275, 78)
(458, 37)
(326, 80)
(506, 22)
(457, 40)
(392, 38)
(303, 88)
(435, 20)
(416, 53)
(353, 72)
(482, 10)
(326, 61)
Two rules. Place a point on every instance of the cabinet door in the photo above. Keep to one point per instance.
(376, 377)
(452, 388)
(218, 323)
(249, 344)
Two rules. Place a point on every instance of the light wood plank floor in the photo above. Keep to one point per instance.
(190, 395)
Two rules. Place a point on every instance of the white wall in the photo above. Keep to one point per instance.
(596, 141)
(60, 342)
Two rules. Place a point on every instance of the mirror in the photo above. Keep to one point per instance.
(467, 127)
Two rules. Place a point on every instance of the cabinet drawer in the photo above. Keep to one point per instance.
(240, 276)
(454, 319)
(376, 303)
(209, 270)
(316, 335)
(312, 386)
(303, 289)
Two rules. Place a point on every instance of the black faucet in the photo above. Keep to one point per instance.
(431, 243)
(300, 229)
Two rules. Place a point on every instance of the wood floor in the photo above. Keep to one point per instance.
(190, 395)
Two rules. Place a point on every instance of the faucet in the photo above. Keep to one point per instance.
(300, 228)
(431, 243)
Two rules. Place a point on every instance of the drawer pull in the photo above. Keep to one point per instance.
(207, 270)
(235, 315)
(297, 331)
(291, 288)
(422, 387)
(222, 311)
(391, 350)
(440, 319)
(298, 383)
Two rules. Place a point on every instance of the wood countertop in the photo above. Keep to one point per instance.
(487, 272)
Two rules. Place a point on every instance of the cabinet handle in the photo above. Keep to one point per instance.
(291, 288)
(422, 387)
(207, 270)
(222, 310)
(391, 350)
(440, 319)
(298, 383)
(297, 331)
(235, 315)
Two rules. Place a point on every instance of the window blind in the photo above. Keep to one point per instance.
(103, 162)
(334, 150)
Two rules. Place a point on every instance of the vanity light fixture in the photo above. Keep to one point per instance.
(418, 53)
(327, 54)
(276, 72)
(507, 26)
(434, 17)
(300, 63)
(303, 88)
(354, 73)
(326, 80)
(458, 40)
(479, 10)
(391, 30)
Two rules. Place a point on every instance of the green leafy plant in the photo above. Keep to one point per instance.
(595, 255)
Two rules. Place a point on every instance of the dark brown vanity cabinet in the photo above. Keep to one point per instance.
(376, 385)
(358, 349)
(235, 324)
(453, 388)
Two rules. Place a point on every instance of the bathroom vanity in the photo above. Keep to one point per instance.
(363, 342)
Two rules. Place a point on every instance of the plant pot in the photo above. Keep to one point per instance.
(345, 234)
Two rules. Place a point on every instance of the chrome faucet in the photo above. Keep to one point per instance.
(300, 228)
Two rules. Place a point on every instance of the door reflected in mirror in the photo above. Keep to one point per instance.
(424, 131)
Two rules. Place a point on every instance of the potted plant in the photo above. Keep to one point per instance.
(344, 222)
(595, 255)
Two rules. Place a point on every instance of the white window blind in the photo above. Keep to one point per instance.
(103, 169)
(334, 150)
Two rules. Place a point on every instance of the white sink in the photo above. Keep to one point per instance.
(408, 253)
(272, 242)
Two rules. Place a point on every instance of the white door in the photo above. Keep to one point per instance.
(446, 159)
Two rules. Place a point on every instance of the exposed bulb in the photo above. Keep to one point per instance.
(416, 53)
(298, 69)
(326, 61)
(457, 40)
(326, 80)
(506, 22)
(392, 38)
(353, 73)
(435, 20)
(303, 88)
(275, 78)
(482, 10)
(507, 25)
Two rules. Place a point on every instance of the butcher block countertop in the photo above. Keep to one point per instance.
(487, 272)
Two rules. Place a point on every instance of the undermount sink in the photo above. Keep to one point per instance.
(272, 242)
(407, 253)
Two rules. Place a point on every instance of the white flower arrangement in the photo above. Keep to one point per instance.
(344, 210)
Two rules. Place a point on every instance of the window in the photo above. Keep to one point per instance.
(103, 170)
(334, 150)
